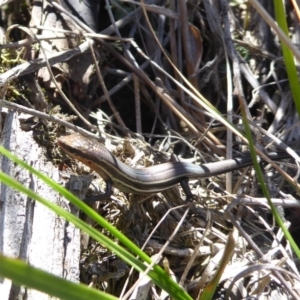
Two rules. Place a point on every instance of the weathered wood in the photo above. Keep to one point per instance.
(28, 230)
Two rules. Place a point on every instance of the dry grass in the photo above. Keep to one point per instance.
(177, 74)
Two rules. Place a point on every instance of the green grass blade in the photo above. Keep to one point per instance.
(158, 276)
(23, 274)
(264, 186)
(287, 54)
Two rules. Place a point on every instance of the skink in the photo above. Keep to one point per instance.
(145, 180)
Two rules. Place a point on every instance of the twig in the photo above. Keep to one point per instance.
(33, 112)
